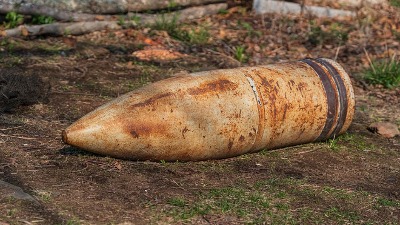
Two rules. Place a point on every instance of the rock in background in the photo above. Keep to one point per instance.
(305, 6)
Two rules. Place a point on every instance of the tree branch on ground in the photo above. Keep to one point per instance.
(77, 28)
(61, 15)
(102, 6)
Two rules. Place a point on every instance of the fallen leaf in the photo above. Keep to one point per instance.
(386, 129)
(157, 54)
(118, 165)
(149, 41)
(24, 31)
(69, 41)
(99, 17)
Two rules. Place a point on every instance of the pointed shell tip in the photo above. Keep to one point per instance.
(64, 137)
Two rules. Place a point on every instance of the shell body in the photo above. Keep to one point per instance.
(221, 113)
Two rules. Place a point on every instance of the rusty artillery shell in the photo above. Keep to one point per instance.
(221, 113)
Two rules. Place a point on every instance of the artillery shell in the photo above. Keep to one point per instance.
(221, 113)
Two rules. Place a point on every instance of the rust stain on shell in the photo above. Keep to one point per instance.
(134, 134)
(151, 100)
(145, 129)
(215, 87)
(184, 131)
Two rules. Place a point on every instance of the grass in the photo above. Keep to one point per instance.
(396, 34)
(395, 3)
(240, 54)
(333, 144)
(342, 216)
(280, 200)
(41, 19)
(384, 72)
(334, 33)
(44, 195)
(179, 202)
(11, 61)
(135, 19)
(250, 30)
(11, 212)
(121, 21)
(197, 36)
(223, 11)
(13, 19)
(72, 222)
(7, 44)
(349, 141)
(388, 203)
(171, 25)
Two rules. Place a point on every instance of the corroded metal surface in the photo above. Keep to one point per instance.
(221, 113)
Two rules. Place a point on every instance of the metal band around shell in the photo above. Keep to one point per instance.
(336, 95)
(343, 101)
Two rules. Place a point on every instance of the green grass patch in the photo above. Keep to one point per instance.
(196, 36)
(395, 3)
(261, 202)
(338, 193)
(11, 212)
(333, 144)
(41, 19)
(183, 211)
(223, 11)
(240, 54)
(13, 19)
(333, 33)
(171, 25)
(72, 222)
(281, 200)
(388, 202)
(179, 202)
(7, 44)
(251, 32)
(384, 72)
(342, 216)
(350, 141)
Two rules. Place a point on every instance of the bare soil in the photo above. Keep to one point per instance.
(352, 179)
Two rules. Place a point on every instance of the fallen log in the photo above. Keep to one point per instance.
(59, 29)
(99, 6)
(78, 28)
(58, 14)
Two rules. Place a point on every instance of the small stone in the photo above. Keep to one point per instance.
(386, 129)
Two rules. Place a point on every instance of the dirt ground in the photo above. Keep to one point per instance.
(353, 179)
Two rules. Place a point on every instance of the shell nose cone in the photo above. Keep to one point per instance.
(88, 136)
(64, 136)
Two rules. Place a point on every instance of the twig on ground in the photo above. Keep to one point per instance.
(303, 152)
(19, 137)
(337, 53)
(369, 60)
(10, 128)
(71, 93)
(223, 55)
